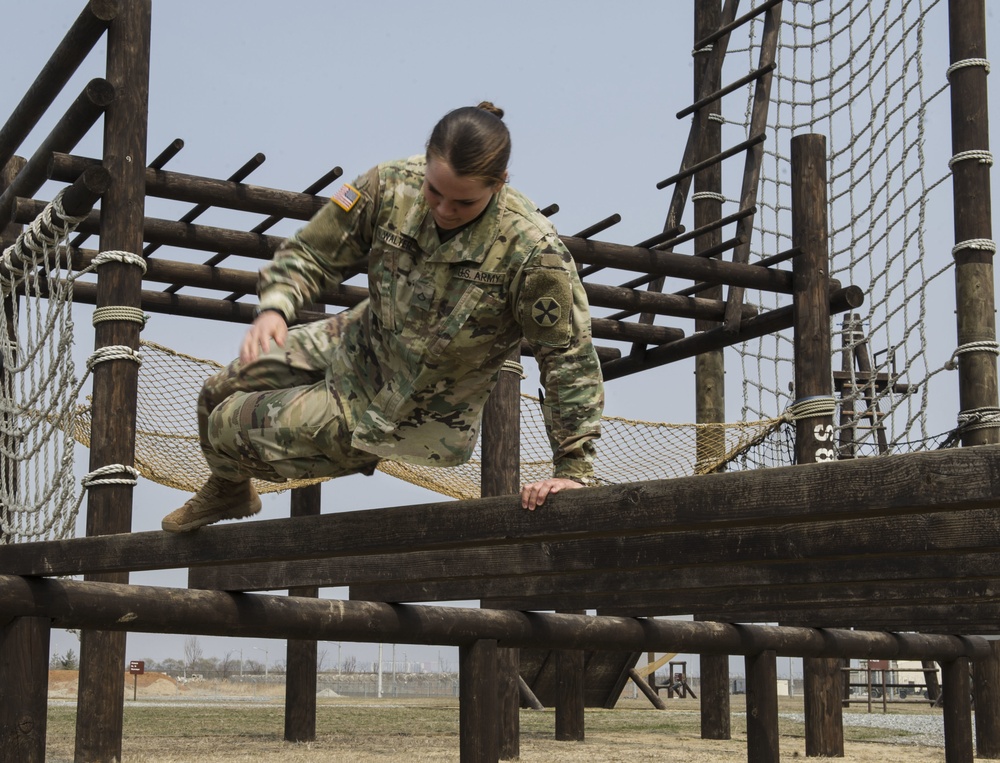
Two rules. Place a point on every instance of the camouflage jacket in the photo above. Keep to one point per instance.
(442, 317)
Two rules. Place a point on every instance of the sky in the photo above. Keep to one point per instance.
(590, 92)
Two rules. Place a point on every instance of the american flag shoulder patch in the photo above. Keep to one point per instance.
(346, 197)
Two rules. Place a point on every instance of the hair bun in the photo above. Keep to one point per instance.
(491, 108)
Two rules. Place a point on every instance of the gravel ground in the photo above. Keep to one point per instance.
(927, 730)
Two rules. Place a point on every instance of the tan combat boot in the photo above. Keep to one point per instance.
(217, 500)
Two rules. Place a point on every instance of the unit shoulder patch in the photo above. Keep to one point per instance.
(547, 306)
(346, 197)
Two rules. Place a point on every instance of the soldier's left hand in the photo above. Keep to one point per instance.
(535, 494)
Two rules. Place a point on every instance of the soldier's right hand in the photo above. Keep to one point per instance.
(269, 325)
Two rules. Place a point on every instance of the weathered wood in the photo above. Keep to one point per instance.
(974, 290)
(83, 113)
(762, 707)
(170, 233)
(24, 683)
(933, 486)
(647, 690)
(569, 695)
(115, 382)
(986, 687)
(655, 262)
(770, 322)
(154, 609)
(528, 698)
(823, 705)
(300, 674)
(477, 712)
(196, 189)
(956, 690)
(79, 40)
(500, 475)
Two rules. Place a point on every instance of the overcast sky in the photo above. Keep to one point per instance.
(590, 90)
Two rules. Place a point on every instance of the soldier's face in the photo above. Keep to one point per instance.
(454, 200)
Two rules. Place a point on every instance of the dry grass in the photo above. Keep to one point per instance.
(186, 729)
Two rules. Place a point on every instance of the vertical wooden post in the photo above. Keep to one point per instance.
(24, 642)
(300, 673)
(709, 370)
(762, 707)
(814, 434)
(24, 685)
(824, 709)
(986, 686)
(478, 728)
(569, 695)
(956, 688)
(501, 475)
(109, 507)
(974, 247)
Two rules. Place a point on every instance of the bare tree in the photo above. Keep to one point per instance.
(192, 653)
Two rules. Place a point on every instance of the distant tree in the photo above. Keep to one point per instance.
(320, 659)
(192, 652)
(66, 661)
(350, 664)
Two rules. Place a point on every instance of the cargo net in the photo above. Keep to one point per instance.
(167, 449)
(853, 71)
(39, 389)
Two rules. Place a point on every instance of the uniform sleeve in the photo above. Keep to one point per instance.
(319, 255)
(552, 309)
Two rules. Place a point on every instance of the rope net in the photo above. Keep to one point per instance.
(167, 449)
(854, 71)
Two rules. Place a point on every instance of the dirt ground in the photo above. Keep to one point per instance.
(211, 722)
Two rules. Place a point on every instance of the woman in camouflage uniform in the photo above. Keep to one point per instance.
(461, 268)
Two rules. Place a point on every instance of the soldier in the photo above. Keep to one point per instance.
(461, 267)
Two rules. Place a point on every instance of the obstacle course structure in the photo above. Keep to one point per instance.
(804, 546)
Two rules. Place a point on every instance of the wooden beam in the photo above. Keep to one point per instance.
(937, 495)
(155, 609)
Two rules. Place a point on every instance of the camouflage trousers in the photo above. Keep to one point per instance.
(289, 414)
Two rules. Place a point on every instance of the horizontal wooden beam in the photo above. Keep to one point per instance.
(204, 191)
(148, 609)
(889, 495)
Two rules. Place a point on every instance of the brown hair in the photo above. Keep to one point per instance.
(474, 141)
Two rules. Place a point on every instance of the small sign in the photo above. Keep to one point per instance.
(137, 667)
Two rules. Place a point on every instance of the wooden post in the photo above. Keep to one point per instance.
(985, 686)
(977, 370)
(956, 690)
(762, 707)
(300, 675)
(501, 475)
(710, 397)
(109, 507)
(814, 438)
(24, 685)
(478, 728)
(569, 694)
(824, 712)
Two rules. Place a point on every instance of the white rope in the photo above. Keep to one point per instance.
(984, 346)
(116, 255)
(983, 157)
(514, 367)
(979, 418)
(984, 244)
(113, 352)
(811, 407)
(708, 195)
(100, 476)
(706, 49)
(984, 62)
(119, 313)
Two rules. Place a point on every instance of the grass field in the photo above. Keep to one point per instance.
(224, 730)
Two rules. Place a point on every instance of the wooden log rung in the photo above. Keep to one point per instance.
(735, 24)
(696, 168)
(724, 91)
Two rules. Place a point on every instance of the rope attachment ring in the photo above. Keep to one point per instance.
(983, 244)
(979, 418)
(117, 255)
(983, 62)
(119, 313)
(514, 367)
(984, 346)
(113, 352)
(104, 476)
(811, 407)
